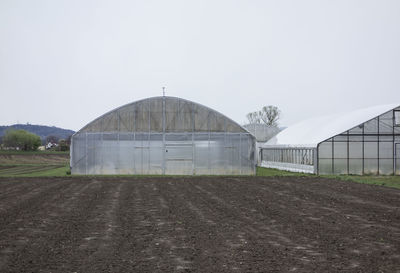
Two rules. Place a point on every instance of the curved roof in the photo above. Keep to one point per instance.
(310, 132)
(163, 114)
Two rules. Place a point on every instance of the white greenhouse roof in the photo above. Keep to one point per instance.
(310, 132)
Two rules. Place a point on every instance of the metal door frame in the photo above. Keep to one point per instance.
(396, 157)
(168, 145)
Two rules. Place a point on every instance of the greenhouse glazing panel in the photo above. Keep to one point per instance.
(364, 149)
(155, 153)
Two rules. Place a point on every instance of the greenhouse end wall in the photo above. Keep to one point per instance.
(370, 148)
(163, 135)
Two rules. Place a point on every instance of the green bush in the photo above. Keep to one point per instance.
(21, 140)
(62, 145)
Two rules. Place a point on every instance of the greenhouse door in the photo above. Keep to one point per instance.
(397, 159)
(179, 158)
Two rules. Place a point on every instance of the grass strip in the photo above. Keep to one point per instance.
(392, 181)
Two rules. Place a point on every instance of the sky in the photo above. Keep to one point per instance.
(65, 62)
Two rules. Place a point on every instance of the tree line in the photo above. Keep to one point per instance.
(25, 141)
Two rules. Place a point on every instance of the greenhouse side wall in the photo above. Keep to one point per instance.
(155, 153)
(370, 148)
(294, 159)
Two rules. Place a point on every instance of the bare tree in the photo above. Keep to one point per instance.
(254, 117)
(269, 115)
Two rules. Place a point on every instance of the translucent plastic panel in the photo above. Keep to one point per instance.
(371, 166)
(201, 137)
(386, 150)
(143, 153)
(201, 155)
(232, 153)
(388, 138)
(355, 166)
(78, 153)
(141, 159)
(247, 154)
(232, 127)
(353, 138)
(179, 152)
(340, 149)
(325, 150)
(156, 157)
(126, 116)
(179, 159)
(371, 127)
(397, 117)
(142, 137)
(108, 156)
(94, 126)
(217, 122)
(386, 123)
(370, 138)
(180, 167)
(218, 161)
(356, 130)
(178, 137)
(142, 117)
(156, 137)
(262, 132)
(201, 118)
(341, 138)
(370, 150)
(178, 115)
(355, 150)
(340, 166)
(125, 152)
(126, 136)
(187, 116)
(110, 136)
(110, 122)
(156, 115)
(325, 166)
(173, 120)
(93, 159)
(385, 166)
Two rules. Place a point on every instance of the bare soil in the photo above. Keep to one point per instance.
(34, 158)
(197, 224)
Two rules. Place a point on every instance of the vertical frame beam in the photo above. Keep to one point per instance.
(163, 136)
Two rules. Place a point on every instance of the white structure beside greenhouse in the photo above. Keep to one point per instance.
(163, 135)
(365, 141)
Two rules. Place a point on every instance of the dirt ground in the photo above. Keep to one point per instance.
(35, 158)
(197, 224)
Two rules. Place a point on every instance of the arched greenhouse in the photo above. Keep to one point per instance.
(364, 141)
(163, 135)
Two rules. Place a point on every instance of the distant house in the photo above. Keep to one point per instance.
(51, 145)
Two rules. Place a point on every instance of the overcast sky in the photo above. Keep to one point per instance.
(64, 63)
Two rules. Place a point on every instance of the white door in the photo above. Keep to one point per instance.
(179, 158)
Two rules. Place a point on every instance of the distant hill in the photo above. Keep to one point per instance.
(40, 130)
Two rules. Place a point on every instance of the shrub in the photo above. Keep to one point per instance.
(21, 140)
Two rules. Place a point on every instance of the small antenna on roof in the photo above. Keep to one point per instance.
(163, 91)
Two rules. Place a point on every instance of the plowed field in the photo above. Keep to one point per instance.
(197, 224)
